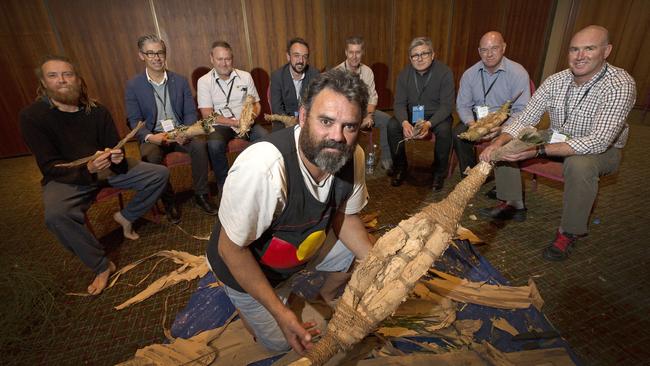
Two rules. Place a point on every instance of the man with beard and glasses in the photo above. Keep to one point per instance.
(288, 82)
(64, 125)
(282, 196)
(163, 100)
(588, 104)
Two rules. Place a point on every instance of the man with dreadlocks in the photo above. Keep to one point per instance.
(63, 125)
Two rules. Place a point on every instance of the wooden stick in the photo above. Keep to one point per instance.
(85, 160)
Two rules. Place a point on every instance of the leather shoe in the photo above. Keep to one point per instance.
(203, 201)
(398, 179)
(171, 212)
(438, 182)
(503, 212)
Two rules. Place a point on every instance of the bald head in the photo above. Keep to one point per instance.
(491, 49)
(588, 50)
(596, 33)
(494, 36)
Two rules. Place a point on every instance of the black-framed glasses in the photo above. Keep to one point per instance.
(420, 56)
(151, 54)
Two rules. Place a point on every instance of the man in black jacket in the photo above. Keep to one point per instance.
(424, 92)
(288, 82)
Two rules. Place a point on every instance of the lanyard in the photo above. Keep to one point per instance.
(485, 93)
(232, 83)
(567, 113)
(417, 87)
(162, 101)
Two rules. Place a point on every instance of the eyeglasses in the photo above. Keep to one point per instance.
(151, 54)
(420, 56)
(493, 49)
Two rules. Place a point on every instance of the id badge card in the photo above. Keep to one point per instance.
(226, 112)
(558, 137)
(418, 114)
(167, 125)
(481, 111)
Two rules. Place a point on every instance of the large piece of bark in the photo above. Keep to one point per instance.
(498, 296)
(392, 268)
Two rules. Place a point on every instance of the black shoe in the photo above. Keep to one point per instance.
(391, 172)
(492, 193)
(503, 212)
(438, 182)
(203, 201)
(171, 212)
(398, 179)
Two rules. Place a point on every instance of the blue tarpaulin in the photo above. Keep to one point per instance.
(209, 308)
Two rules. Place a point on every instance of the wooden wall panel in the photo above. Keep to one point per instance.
(628, 23)
(271, 24)
(25, 37)
(372, 20)
(101, 37)
(527, 28)
(416, 18)
(190, 27)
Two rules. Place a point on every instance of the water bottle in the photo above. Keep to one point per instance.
(370, 160)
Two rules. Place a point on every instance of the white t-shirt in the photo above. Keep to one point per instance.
(255, 192)
(210, 95)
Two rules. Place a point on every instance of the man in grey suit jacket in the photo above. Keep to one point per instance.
(288, 82)
(163, 100)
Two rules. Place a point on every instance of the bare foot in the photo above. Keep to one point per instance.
(127, 228)
(101, 280)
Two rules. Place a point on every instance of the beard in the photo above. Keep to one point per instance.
(68, 97)
(330, 162)
(298, 68)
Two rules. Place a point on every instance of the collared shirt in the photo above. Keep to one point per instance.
(367, 76)
(297, 84)
(164, 80)
(211, 95)
(593, 115)
(509, 79)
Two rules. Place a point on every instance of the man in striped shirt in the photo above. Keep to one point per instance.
(588, 104)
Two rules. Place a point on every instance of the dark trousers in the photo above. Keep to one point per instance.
(198, 151)
(464, 149)
(441, 150)
(218, 144)
(65, 205)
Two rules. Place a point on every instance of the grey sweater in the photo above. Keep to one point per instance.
(436, 95)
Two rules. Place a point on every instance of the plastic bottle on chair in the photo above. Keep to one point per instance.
(370, 160)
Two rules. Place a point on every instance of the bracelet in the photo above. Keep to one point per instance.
(540, 150)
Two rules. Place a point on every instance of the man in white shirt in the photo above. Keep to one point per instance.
(281, 197)
(354, 49)
(223, 90)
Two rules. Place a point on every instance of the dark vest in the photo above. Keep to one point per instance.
(299, 231)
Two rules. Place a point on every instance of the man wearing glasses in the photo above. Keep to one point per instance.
(163, 100)
(424, 92)
(484, 87)
(288, 82)
(223, 90)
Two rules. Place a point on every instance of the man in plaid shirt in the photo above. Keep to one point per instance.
(588, 105)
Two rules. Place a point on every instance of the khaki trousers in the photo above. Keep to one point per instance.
(581, 176)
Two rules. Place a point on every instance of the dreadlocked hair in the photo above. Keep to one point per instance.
(85, 101)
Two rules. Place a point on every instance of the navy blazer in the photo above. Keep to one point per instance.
(141, 102)
(283, 94)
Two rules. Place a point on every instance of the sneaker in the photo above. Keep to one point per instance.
(503, 212)
(561, 247)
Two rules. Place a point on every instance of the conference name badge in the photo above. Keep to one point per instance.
(167, 125)
(418, 114)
